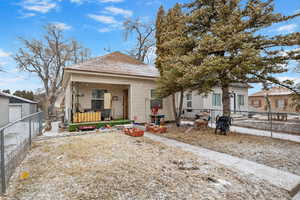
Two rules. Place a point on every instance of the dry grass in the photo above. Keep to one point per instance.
(116, 166)
(275, 153)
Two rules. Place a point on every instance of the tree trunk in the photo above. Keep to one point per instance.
(48, 126)
(177, 113)
(226, 100)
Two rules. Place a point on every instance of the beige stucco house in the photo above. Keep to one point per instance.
(115, 85)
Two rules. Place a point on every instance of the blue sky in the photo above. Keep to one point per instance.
(94, 23)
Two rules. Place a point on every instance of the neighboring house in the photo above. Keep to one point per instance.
(4, 114)
(194, 102)
(280, 100)
(19, 107)
(115, 85)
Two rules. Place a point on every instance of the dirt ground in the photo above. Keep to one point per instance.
(281, 154)
(116, 166)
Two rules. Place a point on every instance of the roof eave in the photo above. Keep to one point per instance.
(70, 70)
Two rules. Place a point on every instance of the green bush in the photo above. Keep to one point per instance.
(75, 127)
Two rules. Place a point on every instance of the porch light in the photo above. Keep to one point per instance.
(115, 98)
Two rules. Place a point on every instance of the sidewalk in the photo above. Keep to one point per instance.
(285, 180)
(251, 131)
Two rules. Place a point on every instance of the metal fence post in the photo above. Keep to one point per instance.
(271, 121)
(40, 123)
(29, 131)
(3, 181)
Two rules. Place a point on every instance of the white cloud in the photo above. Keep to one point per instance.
(62, 26)
(111, 1)
(9, 81)
(25, 15)
(41, 6)
(287, 28)
(104, 30)
(284, 78)
(77, 1)
(118, 11)
(4, 54)
(103, 19)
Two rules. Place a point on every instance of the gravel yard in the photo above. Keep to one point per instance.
(280, 154)
(116, 166)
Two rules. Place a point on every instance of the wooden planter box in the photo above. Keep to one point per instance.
(134, 132)
(156, 129)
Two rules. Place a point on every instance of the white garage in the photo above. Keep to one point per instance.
(15, 112)
(4, 101)
(20, 107)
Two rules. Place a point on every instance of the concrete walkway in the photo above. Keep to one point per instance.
(251, 131)
(297, 196)
(285, 180)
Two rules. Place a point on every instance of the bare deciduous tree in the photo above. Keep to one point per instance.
(46, 58)
(145, 41)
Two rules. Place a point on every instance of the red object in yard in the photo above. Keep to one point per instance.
(87, 127)
(156, 129)
(134, 132)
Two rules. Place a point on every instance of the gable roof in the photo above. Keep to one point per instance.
(274, 91)
(116, 63)
(16, 99)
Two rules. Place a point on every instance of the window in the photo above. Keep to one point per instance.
(216, 99)
(155, 101)
(256, 103)
(280, 103)
(241, 100)
(189, 100)
(98, 99)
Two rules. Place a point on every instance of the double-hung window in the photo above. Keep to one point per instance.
(155, 101)
(280, 103)
(98, 99)
(241, 100)
(189, 98)
(216, 99)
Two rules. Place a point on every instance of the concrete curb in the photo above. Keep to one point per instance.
(281, 179)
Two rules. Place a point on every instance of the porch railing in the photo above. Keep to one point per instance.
(86, 117)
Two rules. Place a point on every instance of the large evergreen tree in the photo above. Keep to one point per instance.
(172, 43)
(230, 44)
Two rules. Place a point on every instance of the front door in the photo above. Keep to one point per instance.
(125, 104)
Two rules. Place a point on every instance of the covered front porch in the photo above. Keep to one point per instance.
(98, 102)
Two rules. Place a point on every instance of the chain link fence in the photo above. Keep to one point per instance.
(282, 122)
(15, 141)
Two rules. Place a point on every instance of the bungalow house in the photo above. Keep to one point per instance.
(117, 86)
(280, 100)
(114, 86)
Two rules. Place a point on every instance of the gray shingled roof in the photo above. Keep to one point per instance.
(10, 96)
(116, 63)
